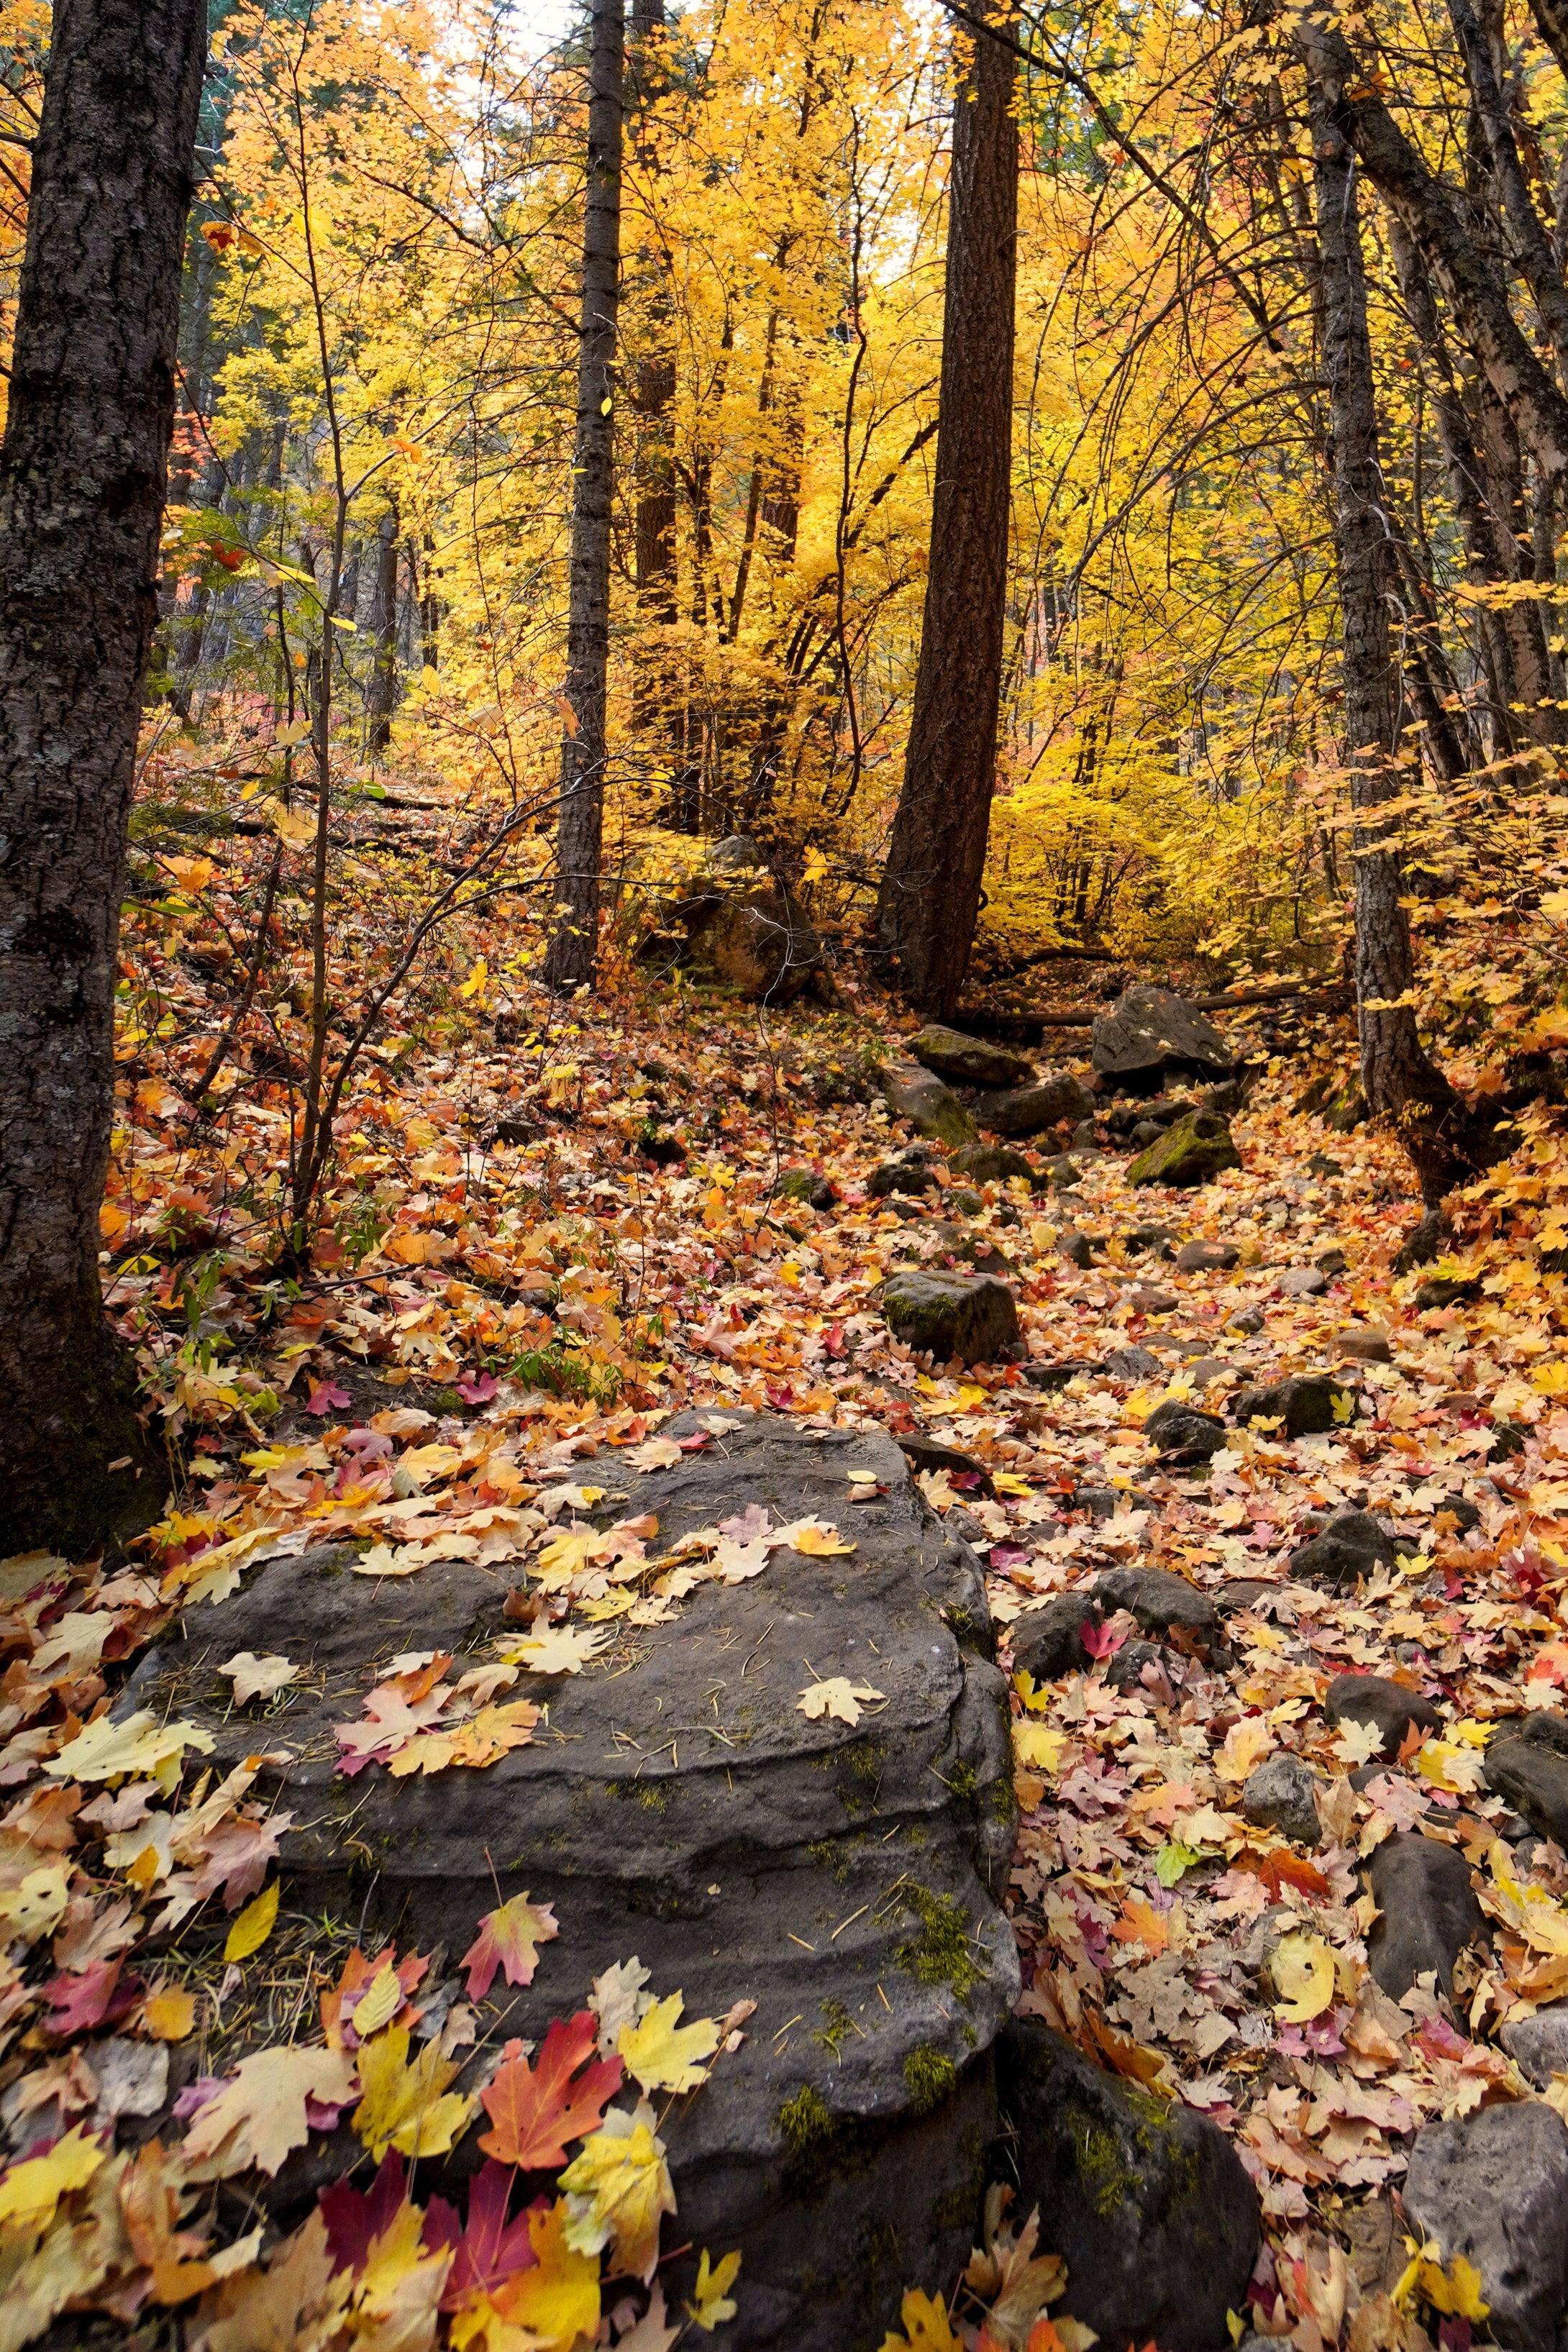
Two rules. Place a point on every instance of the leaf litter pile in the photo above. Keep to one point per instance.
(530, 1262)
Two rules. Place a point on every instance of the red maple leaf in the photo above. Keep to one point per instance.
(355, 2218)
(1099, 1639)
(78, 2002)
(535, 2110)
(487, 2252)
(510, 1939)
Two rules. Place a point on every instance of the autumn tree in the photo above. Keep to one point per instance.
(573, 958)
(929, 893)
(82, 471)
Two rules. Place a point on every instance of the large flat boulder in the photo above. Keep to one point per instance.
(1031, 1109)
(1149, 1034)
(971, 1061)
(678, 1805)
(1192, 1151)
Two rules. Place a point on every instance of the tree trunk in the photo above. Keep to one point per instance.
(381, 688)
(651, 391)
(1401, 1085)
(573, 955)
(929, 897)
(82, 473)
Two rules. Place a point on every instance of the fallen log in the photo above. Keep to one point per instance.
(979, 1021)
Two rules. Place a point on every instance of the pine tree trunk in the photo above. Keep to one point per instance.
(82, 474)
(929, 897)
(1401, 1085)
(573, 955)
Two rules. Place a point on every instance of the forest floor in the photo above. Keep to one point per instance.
(539, 1250)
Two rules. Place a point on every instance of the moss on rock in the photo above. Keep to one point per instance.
(1191, 1151)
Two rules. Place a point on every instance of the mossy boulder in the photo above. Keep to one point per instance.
(1191, 1153)
(932, 1109)
(993, 1163)
(970, 1317)
(1147, 2202)
(805, 1185)
(971, 1060)
(1031, 1109)
(1309, 1405)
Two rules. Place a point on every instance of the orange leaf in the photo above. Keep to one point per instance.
(510, 1939)
(535, 2110)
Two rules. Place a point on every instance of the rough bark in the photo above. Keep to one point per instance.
(381, 688)
(1468, 276)
(82, 475)
(574, 954)
(1401, 1085)
(650, 389)
(929, 897)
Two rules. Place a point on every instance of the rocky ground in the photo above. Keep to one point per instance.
(1273, 1540)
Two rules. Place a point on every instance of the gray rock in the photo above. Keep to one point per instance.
(845, 2164)
(1302, 1282)
(1425, 1240)
(805, 1185)
(1305, 1406)
(1051, 1376)
(1060, 1173)
(1148, 2203)
(1194, 1150)
(1132, 1364)
(1204, 1370)
(1149, 1300)
(1160, 1600)
(736, 854)
(925, 1452)
(1176, 1428)
(1048, 1643)
(1538, 2045)
(1493, 2186)
(1530, 1768)
(1125, 1670)
(1249, 1321)
(1331, 1261)
(1372, 1699)
(1032, 1109)
(932, 1109)
(1353, 1544)
(1104, 1502)
(909, 1171)
(1282, 1794)
(1076, 1248)
(1429, 1912)
(1208, 1258)
(1150, 1031)
(1149, 1241)
(991, 1163)
(1148, 1130)
(1087, 1136)
(972, 1317)
(1245, 1592)
(972, 1061)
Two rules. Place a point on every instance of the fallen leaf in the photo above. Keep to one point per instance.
(509, 1938)
(408, 2108)
(712, 2302)
(663, 2055)
(838, 1697)
(30, 2191)
(617, 2190)
(1302, 1968)
(535, 2111)
(259, 2116)
(255, 1678)
(254, 1925)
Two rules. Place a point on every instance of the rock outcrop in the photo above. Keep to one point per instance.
(1192, 1151)
(1149, 1034)
(966, 1319)
(972, 1061)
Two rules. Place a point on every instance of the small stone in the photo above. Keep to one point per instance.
(925, 1452)
(1365, 1347)
(1208, 1258)
(1149, 1241)
(1428, 1909)
(1302, 1282)
(1032, 1109)
(1443, 1291)
(1332, 1262)
(1149, 1300)
(1493, 2186)
(962, 1202)
(970, 1318)
(1465, 1513)
(1048, 1643)
(1307, 1405)
(1048, 1377)
(932, 1109)
(1249, 1321)
(1174, 1428)
(1206, 1370)
(1131, 1364)
(1319, 1164)
(1245, 1592)
(1075, 1248)
(1282, 1794)
(1060, 1173)
(1538, 2045)
(1148, 1130)
(1372, 1699)
(1149, 2204)
(984, 1255)
(1125, 1670)
(1191, 1153)
(1158, 1600)
(805, 1185)
(1423, 1242)
(1103, 1502)
(1507, 1441)
(1353, 1544)
(969, 1060)
(991, 1163)
(905, 1174)
(1530, 1768)
(1087, 1136)
(512, 1130)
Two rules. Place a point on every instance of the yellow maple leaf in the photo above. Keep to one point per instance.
(139, 1746)
(661, 2053)
(1303, 1973)
(30, 2191)
(556, 2299)
(407, 2108)
(1455, 2292)
(1034, 1743)
(818, 1539)
(714, 2302)
(926, 2327)
(618, 2187)
(169, 2013)
(838, 1697)
(259, 2116)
